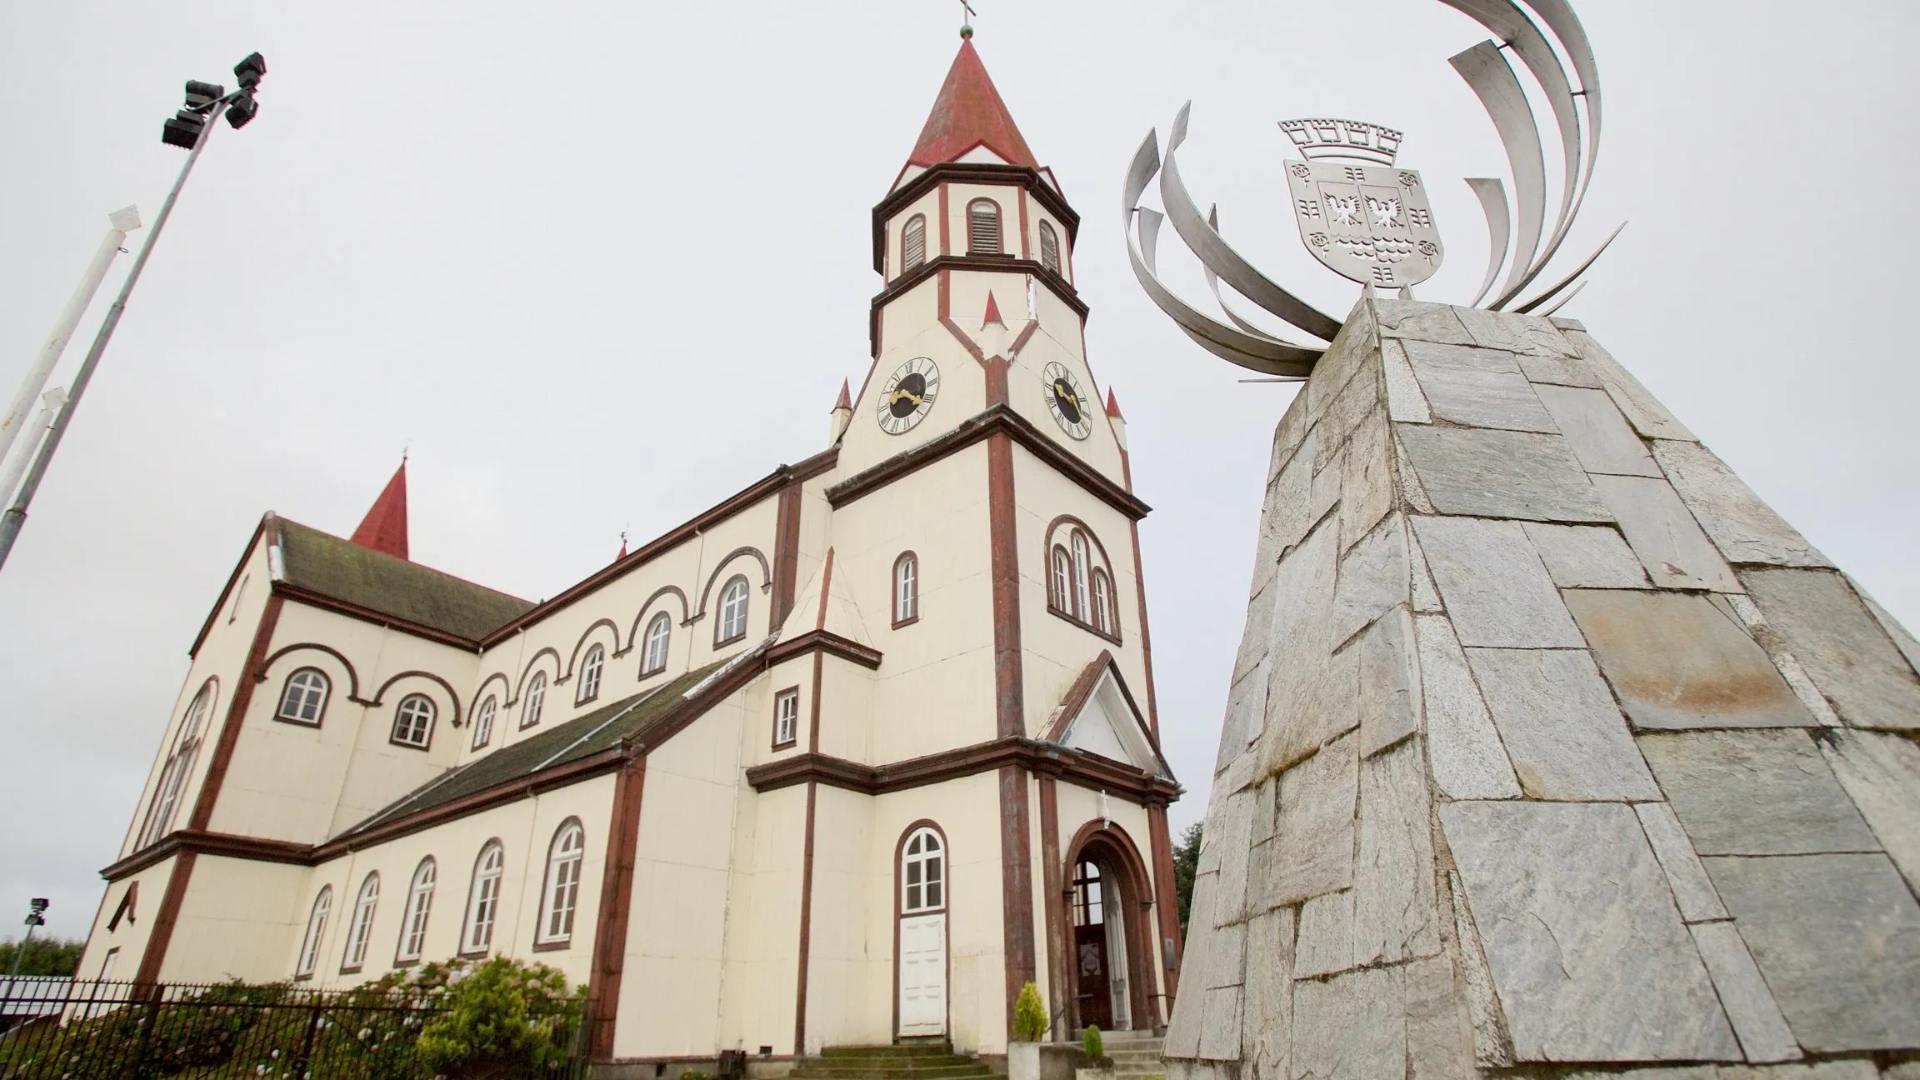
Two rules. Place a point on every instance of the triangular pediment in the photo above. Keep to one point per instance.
(1099, 717)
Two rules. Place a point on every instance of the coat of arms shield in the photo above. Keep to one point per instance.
(1368, 223)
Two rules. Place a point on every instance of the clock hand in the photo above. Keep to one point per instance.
(908, 395)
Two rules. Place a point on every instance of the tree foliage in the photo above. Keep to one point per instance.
(1029, 1015)
(45, 956)
(1186, 861)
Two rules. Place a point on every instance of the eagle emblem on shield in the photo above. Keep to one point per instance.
(1362, 217)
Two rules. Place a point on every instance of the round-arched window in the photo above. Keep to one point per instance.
(413, 721)
(923, 879)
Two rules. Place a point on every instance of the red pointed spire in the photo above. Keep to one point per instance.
(1113, 405)
(846, 399)
(385, 527)
(623, 546)
(993, 314)
(969, 113)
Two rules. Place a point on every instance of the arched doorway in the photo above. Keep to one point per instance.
(1109, 970)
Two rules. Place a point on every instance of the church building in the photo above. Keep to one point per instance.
(846, 759)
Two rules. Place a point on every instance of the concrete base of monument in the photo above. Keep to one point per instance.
(1551, 750)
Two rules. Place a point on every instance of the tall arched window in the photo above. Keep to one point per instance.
(361, 927)
(304, 699)
(590, 675)
(562, 892)
(923, 879)
(1049, 248)
(483, 722)
(983, 227)
(733, 612)
(533, 699)
(906, 588)
(1062, 580)
(316, 930)
(413, 722)
(1102, 602)
(173, 775)
(483, 900)
(413, 928)
(1081, 603)
(653, 658)
(913, 243)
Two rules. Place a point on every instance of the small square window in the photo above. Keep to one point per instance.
(786, 718)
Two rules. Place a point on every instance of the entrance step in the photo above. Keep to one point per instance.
(915, 1060)
(1135, 1054)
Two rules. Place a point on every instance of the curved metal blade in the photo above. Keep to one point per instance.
(1577, 271)
(1213, 285)
(1486, 71)
(1256, 354)
(1565, 300)
(1493, 203)
(1216, 253)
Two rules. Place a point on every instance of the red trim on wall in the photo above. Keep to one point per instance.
(1024, 253)
(786, 552)
(1051, 889)
(250, 673)
(155, 954)
(1016, 883)
(1162, 844)
(946, 246)
(616, 906)
(1003, 544)
(806, 919)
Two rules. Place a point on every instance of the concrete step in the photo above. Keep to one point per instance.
(932, 1047)
(879, 1070)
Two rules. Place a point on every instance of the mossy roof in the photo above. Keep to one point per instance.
(337, 569)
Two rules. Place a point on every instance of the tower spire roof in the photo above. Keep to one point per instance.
(384, 529)
(969, 113)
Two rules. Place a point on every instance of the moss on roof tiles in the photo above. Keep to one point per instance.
(581, 737)
(342, 570)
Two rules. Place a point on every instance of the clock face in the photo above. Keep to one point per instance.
(907, 396)
(1066, 401)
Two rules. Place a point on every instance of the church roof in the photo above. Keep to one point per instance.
(384, 528)
(372, 580)
(582, 737)
(969, 113)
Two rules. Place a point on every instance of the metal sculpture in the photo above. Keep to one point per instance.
(1369, 221)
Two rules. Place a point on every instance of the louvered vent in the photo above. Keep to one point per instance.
(1049, 248)
(913, 243)
(983, 227)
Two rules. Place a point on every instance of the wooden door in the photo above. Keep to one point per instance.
(1093, 987)
(923, 975)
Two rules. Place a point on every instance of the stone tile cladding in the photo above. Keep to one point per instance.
(1551, 750)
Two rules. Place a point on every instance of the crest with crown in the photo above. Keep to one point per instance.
(1361, 217)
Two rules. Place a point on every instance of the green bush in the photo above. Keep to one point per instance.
(504, 1018)
(1095, 1046)
(1029, 1015)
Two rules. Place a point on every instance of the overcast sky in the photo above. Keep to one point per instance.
(522, 237)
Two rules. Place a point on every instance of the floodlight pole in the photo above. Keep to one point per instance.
(16, 513)
(123, 222)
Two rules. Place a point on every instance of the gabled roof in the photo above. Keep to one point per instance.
(1099, 716)
(384, 529)
(969, 113)
(362, 578)
(582, 737)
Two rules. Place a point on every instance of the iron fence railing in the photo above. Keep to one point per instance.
(62, 1029)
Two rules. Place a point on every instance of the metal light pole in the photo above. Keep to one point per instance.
(123, 222)
(50, 403)
(35, 917)
(203, 103)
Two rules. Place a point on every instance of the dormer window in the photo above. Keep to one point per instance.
(1049, 248)
(983, 227)
(913, 243)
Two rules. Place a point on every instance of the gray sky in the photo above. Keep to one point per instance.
(518, 236)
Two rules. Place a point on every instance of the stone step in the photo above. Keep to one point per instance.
(932, 1047)
(876, 1070)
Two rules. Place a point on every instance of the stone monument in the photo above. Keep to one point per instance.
(1551, 750)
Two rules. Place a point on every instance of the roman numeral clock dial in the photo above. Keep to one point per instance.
(907, 396)
(1066, 400)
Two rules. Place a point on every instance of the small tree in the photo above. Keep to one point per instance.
(1029, 1015)
(1186, 863)
(1093, 1044)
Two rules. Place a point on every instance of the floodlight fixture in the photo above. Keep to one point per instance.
(243, 109)
(250, 71)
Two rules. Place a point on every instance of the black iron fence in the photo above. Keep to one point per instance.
(63, 1029)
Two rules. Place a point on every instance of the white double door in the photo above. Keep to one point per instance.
(923, 975)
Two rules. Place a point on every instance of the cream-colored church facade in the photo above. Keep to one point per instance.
(847, 758)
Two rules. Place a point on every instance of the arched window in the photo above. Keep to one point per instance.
(1102, 602)
(913, 243)
(413, 722)
(304, 699)
(1049, 248)
(533, 699)
(173, 775)
(1081, 604)
(562, 893)
(590, 675)
(413, 929)
(983, 227)
(733, 612)
(483, 722)
(361, 928)
(653, 659)
(316, 929)
(1062, 580)
(483, 900)
(923, 879)
(906, 588)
